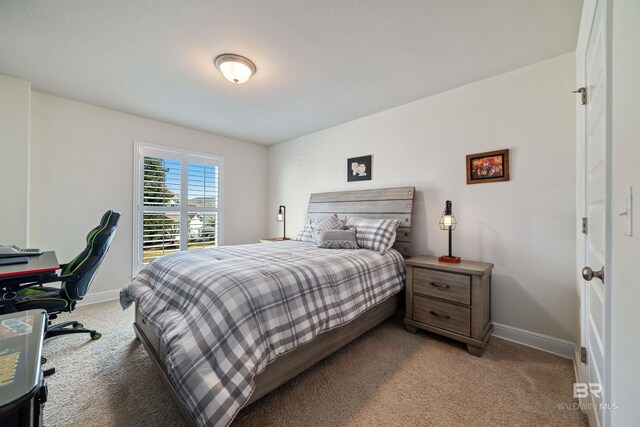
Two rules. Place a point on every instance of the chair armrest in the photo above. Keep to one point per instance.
(17, 286)
(57, 278)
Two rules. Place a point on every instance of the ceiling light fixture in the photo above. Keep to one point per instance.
(235, 68)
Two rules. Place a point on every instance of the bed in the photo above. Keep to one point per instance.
(221, 352)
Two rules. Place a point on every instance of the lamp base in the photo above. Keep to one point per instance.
(283, 238)
(451, 259)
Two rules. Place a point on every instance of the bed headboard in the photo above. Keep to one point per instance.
(391, 203)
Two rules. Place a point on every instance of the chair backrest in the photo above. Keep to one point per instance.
(86, 264)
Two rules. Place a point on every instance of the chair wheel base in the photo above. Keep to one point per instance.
(68, 328)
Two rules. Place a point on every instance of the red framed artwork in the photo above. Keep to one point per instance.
(491, 166)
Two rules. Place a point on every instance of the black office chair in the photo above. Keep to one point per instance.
(76, 277)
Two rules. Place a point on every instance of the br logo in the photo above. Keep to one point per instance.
(582, 390)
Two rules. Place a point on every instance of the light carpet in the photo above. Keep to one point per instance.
(388, 377)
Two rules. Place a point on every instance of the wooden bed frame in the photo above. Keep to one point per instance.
(394, 203)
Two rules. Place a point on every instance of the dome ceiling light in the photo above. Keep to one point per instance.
(235, 68)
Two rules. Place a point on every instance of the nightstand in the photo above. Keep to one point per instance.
(274, 240)
(453, 300)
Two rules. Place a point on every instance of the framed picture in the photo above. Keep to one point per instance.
(491, 166)
(359, 169)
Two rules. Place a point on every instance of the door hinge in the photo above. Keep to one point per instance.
(585, 225)
(583, 355)
(582, 91)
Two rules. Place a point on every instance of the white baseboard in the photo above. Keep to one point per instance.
(535, 340)
(97, 297)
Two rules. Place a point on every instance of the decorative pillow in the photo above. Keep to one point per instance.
(337, 239)
(375, 234)
(331, 223)
(308, 232)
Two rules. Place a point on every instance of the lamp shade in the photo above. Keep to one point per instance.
(448, 223)
(235, 68)
(447, 220)
(281, 216)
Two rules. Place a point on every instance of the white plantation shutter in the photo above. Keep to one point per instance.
(161, 191)
(203, 204)
(178, 199)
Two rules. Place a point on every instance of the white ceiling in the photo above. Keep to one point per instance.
(320, 62)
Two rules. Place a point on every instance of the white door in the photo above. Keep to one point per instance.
(596, 179)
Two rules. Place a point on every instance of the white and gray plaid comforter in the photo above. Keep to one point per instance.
(224, 313)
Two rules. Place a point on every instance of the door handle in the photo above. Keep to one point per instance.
(589, 274)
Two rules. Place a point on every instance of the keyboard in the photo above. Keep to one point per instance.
(14, 251)
(30, 251)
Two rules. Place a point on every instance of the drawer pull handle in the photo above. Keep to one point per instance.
(442, 316)
(439, 285)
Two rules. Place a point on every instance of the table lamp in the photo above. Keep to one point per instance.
(282, 217)
(448, 222)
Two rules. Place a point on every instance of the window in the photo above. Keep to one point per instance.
(178, 202)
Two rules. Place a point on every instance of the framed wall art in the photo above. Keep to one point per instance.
(491, 166)
(359, 169)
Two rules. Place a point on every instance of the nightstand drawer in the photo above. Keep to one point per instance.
(439, 284)
(443, 315)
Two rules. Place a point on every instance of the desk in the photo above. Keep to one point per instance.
(47, 263)
(23, 390)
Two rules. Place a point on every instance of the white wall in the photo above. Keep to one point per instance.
(14, 160)
(625, 283)
(525, 226)
(82, 165)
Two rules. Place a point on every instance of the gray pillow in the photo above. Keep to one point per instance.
(337, 239)
(331, 223)
(309, 231)
(375, 234)
(306, 234)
